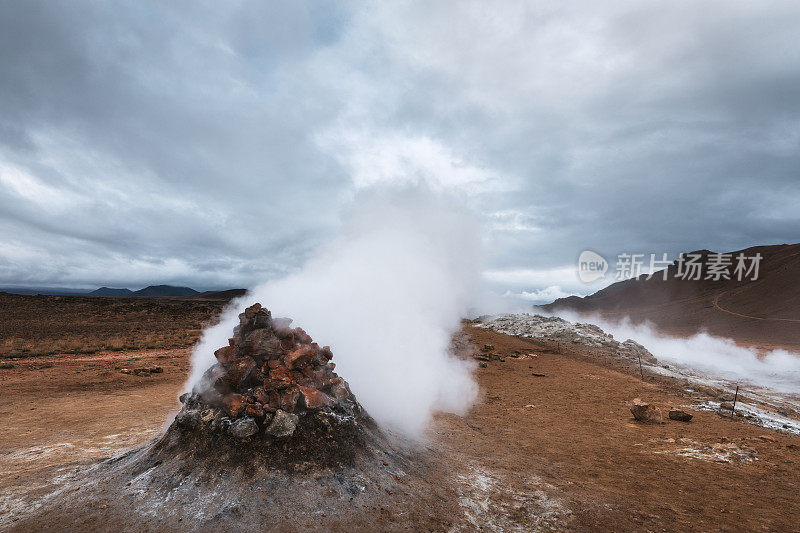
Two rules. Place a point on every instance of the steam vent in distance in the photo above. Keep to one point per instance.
(273, 387)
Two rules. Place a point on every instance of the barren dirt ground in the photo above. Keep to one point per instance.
(555, 452)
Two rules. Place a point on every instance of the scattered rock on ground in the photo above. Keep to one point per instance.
(680, 415)
(142, 371)
(645, 412)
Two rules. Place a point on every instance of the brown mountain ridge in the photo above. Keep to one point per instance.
(763, 312)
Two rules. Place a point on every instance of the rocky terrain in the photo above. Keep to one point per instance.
(557, 330)
(270, 382)
(269, 436)
(553, 444)
(33, 326)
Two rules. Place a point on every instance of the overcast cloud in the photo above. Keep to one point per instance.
(215, 144)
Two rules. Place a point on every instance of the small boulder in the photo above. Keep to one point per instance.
(289, 399)
(645, 412)
(225, 355)
(263, 343)
(327, 353)
(312, 398)
(189, 419)
(243, 428)
(215, 374)
(234, 404)
(339, 391)
(283, 424)
(238, 371)
(208, 415)
(301, 337)
(255, 410)
(260, 395)
(280, 373)
(300, 357)
(680, 415)
(726, 405)
(220, 423)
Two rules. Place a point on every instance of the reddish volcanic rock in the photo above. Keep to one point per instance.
(289, 399)
(280, 373)
(234, 404)
(301, 337)
(268, 368)
(262, 341)
(225, 355)
(255, 410)
(339, 391)
(238, 372)
(312, 398)
(260, 395)
(299, 357)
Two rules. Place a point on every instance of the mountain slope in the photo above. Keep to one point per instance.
(109, 292)
(765, 311)
(220, 295)
(164, 290)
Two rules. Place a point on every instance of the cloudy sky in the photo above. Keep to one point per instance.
(215, 145)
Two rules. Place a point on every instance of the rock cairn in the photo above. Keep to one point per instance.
(271, 380)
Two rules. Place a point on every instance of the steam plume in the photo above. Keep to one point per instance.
(715, 356)
(386, 295)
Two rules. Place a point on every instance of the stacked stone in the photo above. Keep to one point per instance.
(267, 378)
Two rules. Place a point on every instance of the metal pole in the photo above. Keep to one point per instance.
(640, 367)
(735, 397)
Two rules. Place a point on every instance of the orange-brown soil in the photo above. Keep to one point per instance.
(46, 325)
(555, 452)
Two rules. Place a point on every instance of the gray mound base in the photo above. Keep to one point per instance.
(193, 481)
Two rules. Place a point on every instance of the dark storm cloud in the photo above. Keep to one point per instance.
(214, 145)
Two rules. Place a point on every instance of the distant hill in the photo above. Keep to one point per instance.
(164, 290)
(220, 295)
(56, 291)
(109, 292)
(765, 311)
(153, 291)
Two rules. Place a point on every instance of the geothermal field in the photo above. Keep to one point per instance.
(399, 266)
(572, 429)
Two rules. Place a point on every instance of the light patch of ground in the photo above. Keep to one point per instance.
(490, 502)
(719, 452)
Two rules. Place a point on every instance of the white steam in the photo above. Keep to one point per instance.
(714, 356)
(386, 295)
